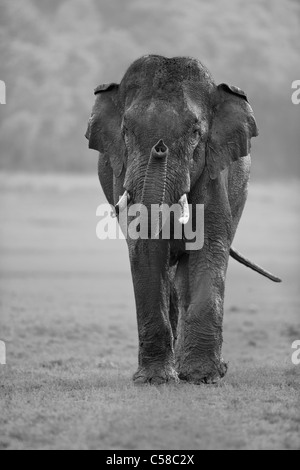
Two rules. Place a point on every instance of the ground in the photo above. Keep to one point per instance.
(68, 320)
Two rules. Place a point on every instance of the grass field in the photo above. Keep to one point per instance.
(68, 320)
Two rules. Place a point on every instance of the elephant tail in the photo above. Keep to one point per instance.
(240, 258)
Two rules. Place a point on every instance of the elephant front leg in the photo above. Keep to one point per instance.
(200, 329)
(150, 272)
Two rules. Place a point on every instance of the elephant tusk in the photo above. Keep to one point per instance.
(185, 215)
(123, 202)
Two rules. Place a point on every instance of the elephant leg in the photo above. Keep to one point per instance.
(150, 272)
(200, 329)
(174, 311)
(201, 282)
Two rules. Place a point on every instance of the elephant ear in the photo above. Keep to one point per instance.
(104, 127)
(232, 128)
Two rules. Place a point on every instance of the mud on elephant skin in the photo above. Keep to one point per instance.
(168, 133)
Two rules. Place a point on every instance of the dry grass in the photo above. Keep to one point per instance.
(67, 316)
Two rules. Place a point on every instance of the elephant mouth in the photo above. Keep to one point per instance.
(184, 218)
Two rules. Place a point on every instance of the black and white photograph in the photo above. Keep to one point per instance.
(149, 227)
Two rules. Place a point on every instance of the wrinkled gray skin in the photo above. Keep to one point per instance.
(207, 131)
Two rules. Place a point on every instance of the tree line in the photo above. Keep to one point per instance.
(53, 54)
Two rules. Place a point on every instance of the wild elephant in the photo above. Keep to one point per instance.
(168, 133)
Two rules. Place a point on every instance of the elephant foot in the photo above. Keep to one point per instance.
(207, 373)
(155, 376)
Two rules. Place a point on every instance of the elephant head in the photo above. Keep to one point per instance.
(165, 124)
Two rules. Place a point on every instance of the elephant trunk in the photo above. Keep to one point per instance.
(156, 188)
(155, 185)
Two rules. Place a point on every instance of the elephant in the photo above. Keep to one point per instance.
(168, 133)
